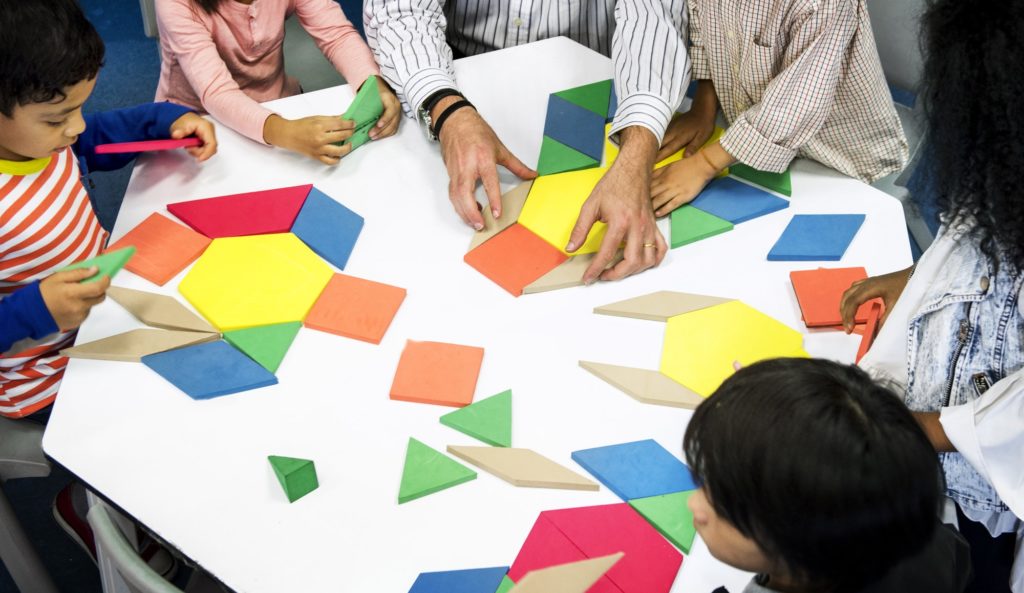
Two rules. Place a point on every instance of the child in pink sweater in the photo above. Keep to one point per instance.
(226, 56)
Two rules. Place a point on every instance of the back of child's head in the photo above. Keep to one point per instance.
(46, 46)
(822, 467)
(972, 90)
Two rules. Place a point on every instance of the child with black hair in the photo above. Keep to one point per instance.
(953, 340)
(49, 58)
(818, 479)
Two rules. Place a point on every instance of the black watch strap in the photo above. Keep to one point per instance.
(447, 113)
(434, 99)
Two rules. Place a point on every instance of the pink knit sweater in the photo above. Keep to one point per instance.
(228, 62)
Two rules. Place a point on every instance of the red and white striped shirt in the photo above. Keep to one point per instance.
(46, 223)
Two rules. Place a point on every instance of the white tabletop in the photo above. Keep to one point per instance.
(196, 472)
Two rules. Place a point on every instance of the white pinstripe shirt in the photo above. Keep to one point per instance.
(412, 41)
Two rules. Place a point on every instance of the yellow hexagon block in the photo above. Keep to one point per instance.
(701, 347)
(554, 204)
(242, 282)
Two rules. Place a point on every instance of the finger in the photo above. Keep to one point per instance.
(657, 174)
(692, 148)
(89, 290)
(660, 247)
(513, 164)
(584, 222)
(660, 200)
(849, 303)
(334, 151)
(605, 255)
(336, 136)
(384, 127)
(333, 123)
(672, 204)
(328, 160)
(461, 195)
(632, 257)
(492, 188)
(78, 275)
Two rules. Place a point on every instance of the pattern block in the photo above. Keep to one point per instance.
(556, 157)
(107, 264)
(297, 476)
(575, 127)
(776, 182)
(329, 228)
(595, 96)
(437, 373)
(209, 370)
(163, 248)
(488, 420)
(365, 110)
(158, 310)
(239, 215)
(131, 346)
(515, 258)
(522, 467)
(671, 516)
(356, 308)
(474, 580)
(736, 201)
(819, 293)
(554, 205)
(816, 237)
(640, 469)
(690, 224)
(427, 471)
(574, 577)
(266, 344)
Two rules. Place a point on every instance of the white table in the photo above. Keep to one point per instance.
(196, 473)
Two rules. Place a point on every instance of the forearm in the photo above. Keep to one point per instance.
(929, 422)
(638, 149)
(150, 121)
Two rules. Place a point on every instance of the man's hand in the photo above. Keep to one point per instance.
(191, 124)
(315, 136)
(69, 301)
(387, 125)
(622, 200)
(888, 287)
(471, 152)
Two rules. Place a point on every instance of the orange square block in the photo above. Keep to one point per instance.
(514, 258)
(819, 292)
(163, 248)
(355, 308)
(437, 373)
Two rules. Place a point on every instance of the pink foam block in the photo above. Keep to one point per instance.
(238, 215)
(148, 145)
(547, 546)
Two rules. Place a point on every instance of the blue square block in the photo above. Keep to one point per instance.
(328, 228)
(636, 470)
(209, 370)
(575, 127)
(475, 580)
(816, 237)
(736, 201)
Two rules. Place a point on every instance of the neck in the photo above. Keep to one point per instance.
(6, 155)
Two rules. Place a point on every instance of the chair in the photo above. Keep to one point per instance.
(21, 456)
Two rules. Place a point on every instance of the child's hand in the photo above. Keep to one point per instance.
(679, 183)
(690, 131)
(191, 124)
(314, 136)
(387, 125)
(888, 287)
(69, 301)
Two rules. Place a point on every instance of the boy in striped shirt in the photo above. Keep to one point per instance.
(49, 58)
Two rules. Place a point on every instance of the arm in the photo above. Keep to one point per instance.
(798, 100)
(59, 302)
(337, 39)
(151, 121)
(23, 314)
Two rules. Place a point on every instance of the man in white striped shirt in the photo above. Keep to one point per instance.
(414, 42)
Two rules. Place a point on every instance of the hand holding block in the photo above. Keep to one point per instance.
(148, 145)
(364, 112)
(109, 264)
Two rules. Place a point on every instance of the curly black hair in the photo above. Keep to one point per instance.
(973, 88)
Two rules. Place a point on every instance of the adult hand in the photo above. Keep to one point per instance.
(69, 301)
(471, 152)
(888, 287)
(191, 124)
(622, 200)
(316, 136)
(387, 125)
(688, 131)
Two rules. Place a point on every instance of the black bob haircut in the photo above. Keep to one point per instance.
(46, 46)
(825, 469)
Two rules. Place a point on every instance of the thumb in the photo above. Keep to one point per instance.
(180, 132)
(76, 275)
(586, 220)
(518, 168)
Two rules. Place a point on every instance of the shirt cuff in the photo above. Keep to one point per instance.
(645, 110)
(699, 67)
(748, 146)
(167, 115)
(958, 424)
(421, 85)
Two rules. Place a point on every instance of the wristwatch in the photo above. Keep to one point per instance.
(428, 105)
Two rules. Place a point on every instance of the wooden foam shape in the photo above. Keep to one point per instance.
(547, 546)
(158, 310)
(488, 420)
(690, 225)
(329, 228)
(819, 292)
(107, 264)
(554, 205)
(701, 347)
(671, 516)
(512, 203)
(266, 344)
(556, 157)
(249, 213)
(356, 308)
(515, 258)
(365, 110)
(148, 145)
(649, 387)
(816, 237)
(575, 126)
(522, 467)
(474, 580)
(506, 585)
(427, 471)
(660, 306)
(639, 469)
(594, 96)
(209, 370)
(133, 345)
(163, 248)
(297, 476)
(568, 274)
(650, 563)
(874, 318)
(574, 577)
(437, 373)
(736, 201)
(776, 182)
(242, 282)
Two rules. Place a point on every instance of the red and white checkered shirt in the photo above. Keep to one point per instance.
(798, 78)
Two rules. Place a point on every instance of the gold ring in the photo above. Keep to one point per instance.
(646, 245)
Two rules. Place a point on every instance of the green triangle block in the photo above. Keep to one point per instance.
(556, 157)
(266, 344)
(297, 476)
(691, 224)
(488, 420)
(592, 96)
(426, 471)
(365, 110)
(506, 585)
(777, 182)
(109, 264)
(669, 514)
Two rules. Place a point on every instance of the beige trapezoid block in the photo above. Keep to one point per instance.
(523, 467)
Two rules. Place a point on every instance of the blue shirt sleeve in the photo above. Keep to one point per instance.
(151, 121)
(23, 314)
